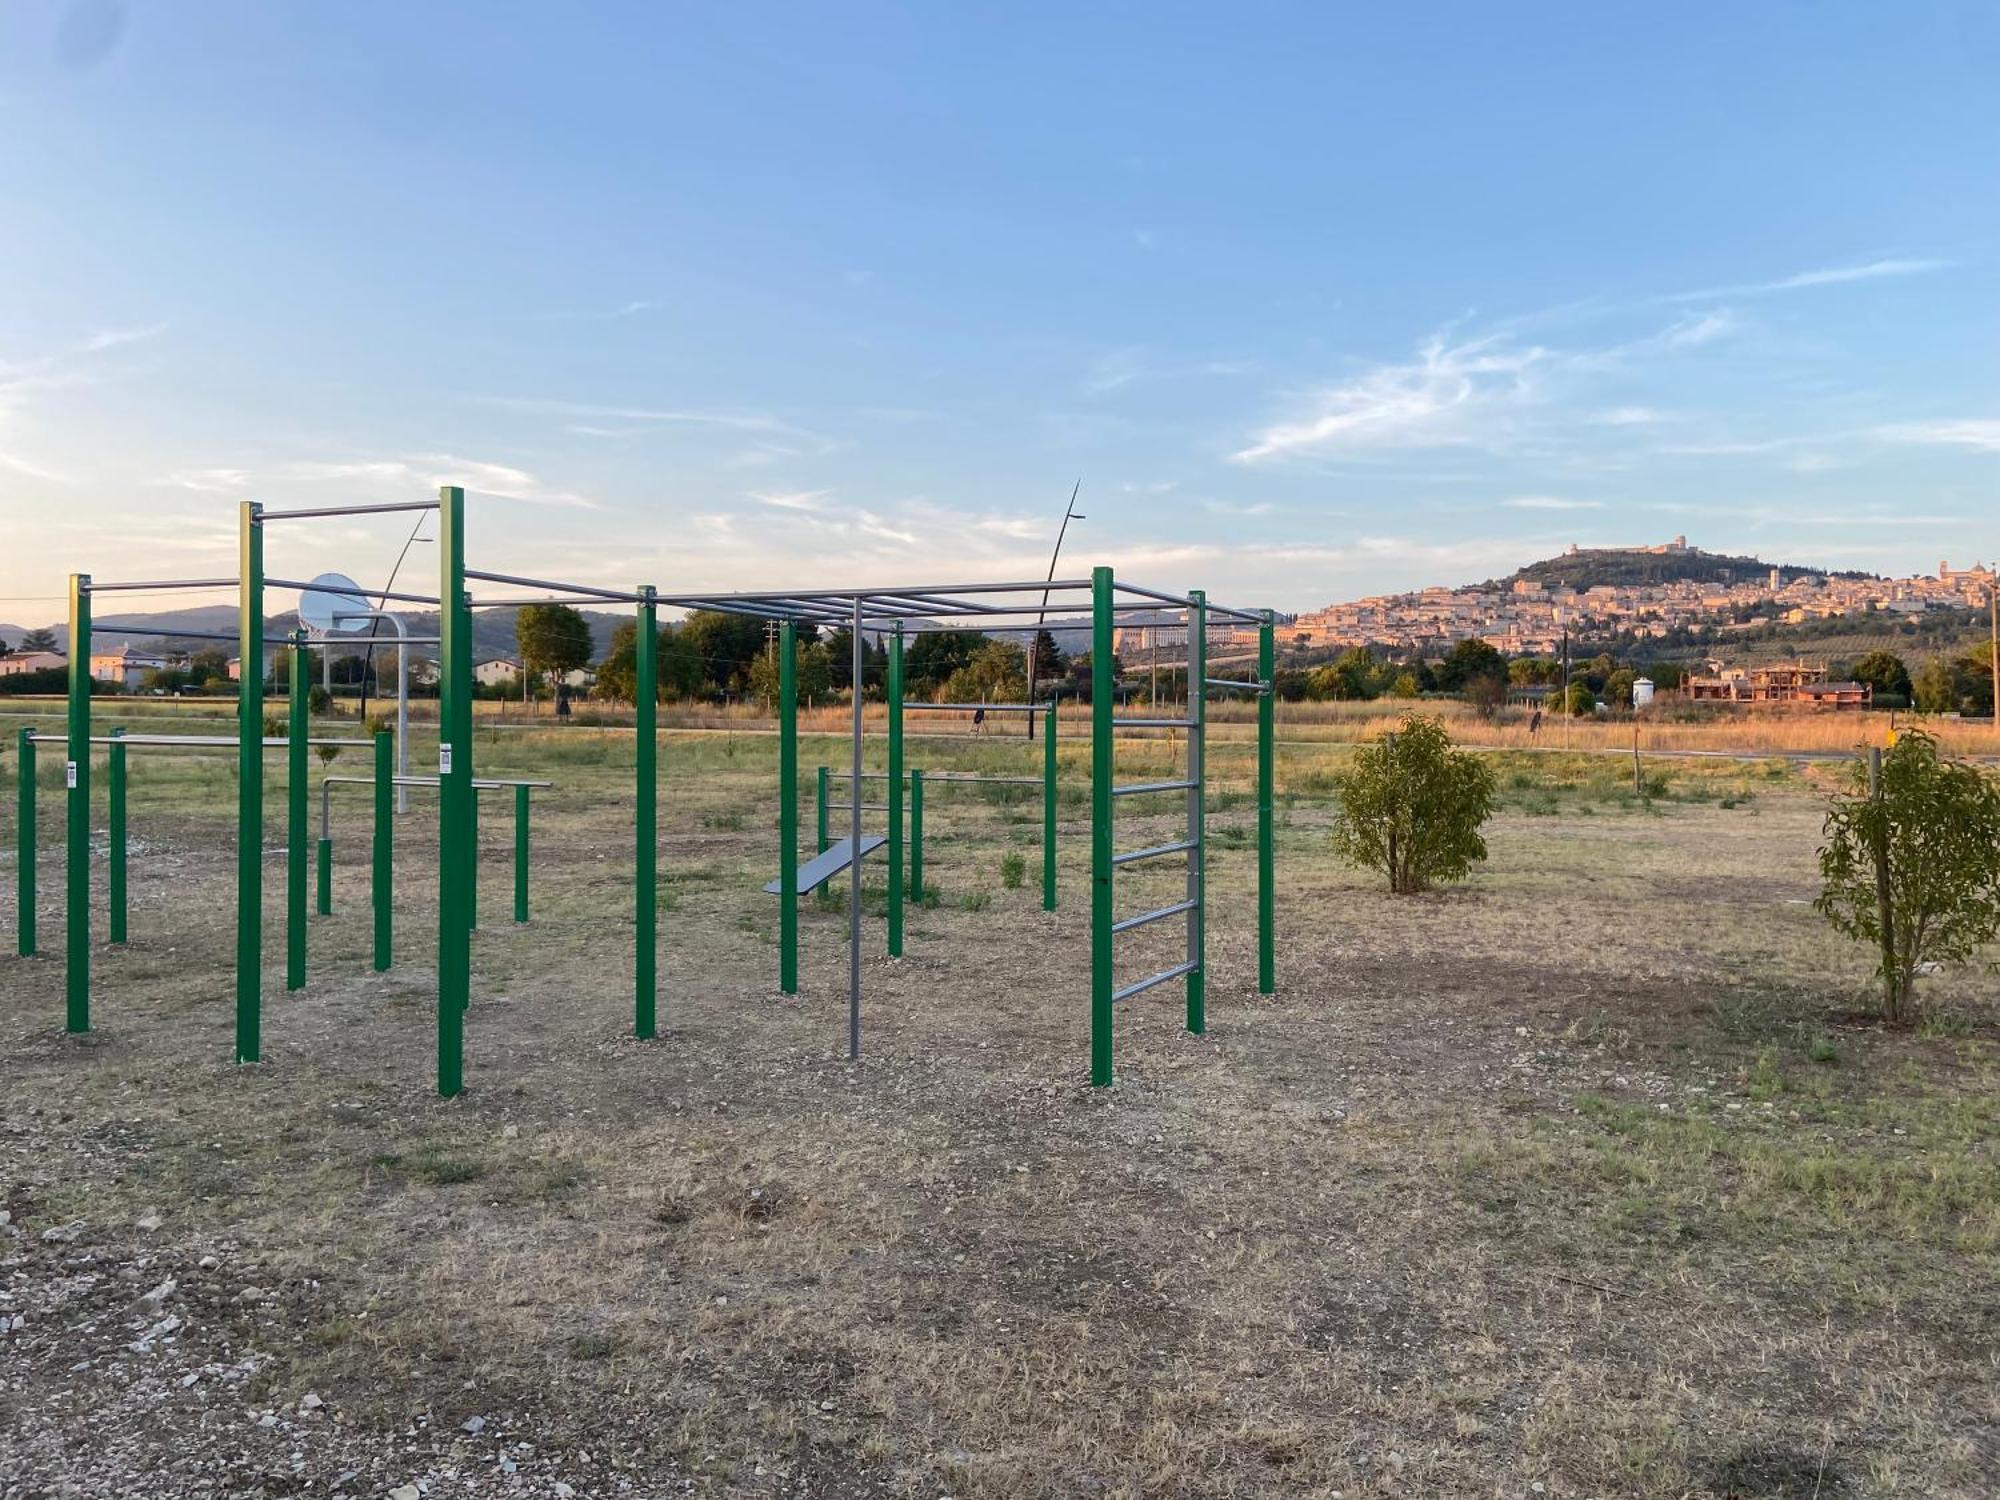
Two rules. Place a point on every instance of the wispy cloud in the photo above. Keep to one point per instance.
(111, 338)
(1979, 433)
(1120, 368)
(1705, 328)
(1550, 502)
(809, 500)
(1627, 416)
(1873, 270)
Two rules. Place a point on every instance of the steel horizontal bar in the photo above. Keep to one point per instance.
(539, 599)
(199, 741)
(1246, 616)
(1161, 914)
(1152, 723)
(556, 586)
(1141, 788)
(1241, 687)
(966, 708)
(344, 510)
(1158, 851)
(1142, 985)
(478, 781)
(294, 583)
(161, 583)
(101, 627)
(865, 807)
(1033, 586)
(1180, 600)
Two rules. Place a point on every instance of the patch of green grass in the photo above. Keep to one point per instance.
(434, 1163)
(1013, 870)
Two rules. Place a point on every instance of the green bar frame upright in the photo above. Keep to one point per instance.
(1197, 808)
(250, 783)
(116, 888)
(1103, 684)
(788, 809)
(917, 836)
(381, 875)
(323, 876)
(298, 729)
(76, 780)
(819, 801)
(1049, 808)
(455, 793)
(645, 884)
(521, 853)
(1267, 658)
(472, 865)
(894, 695)
(24, 846)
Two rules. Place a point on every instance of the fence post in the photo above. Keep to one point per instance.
(1197, 813)
(646, 901)
(76, 778)
(1049, 808)
(24, 847)
(520, 853)
(1103, 684)
(382, 877)
(250, 783)
(1267, 709)
(917, 836)
(820, 802)
(297, 731)
(894, 695)
(788, 809)
(117, 853)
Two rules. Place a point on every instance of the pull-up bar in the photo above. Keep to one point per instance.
(317, 511)
(89, 586)
(614, 596)
(967, 708)
(198, 741)
(293, 583)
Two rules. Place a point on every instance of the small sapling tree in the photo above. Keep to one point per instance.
(1412, 807)
(1913, 866)
(554, 640)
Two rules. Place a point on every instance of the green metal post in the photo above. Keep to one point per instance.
(1103, 684)
(788, 809)
(298, 729)
(76, 779)
(24, 847)
(1197, 867)
(1049, 809)
(1267, 661)
(520, 854)
(917, 836)
(895, 707)
(820, 802)
(250, 783)
(645, 968)
(382, 868)
(472, 865)
(455, 794)
(323, 875)
(115, 875)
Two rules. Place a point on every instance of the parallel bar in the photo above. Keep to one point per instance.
(646, 837)
(295, 820)
(479, 783)
(788, 809)
(1103, 684)
(346, 510)
(191, 635)
(1152, 724)
(1267, 978)
(200, 741)
(250, 785)
(115, 875)
(1145, 917)
(76, 777)
(1049, 810)
(615, 596)
(1158, 851)
(295, 583)
(893, 692)
(520, 852)
(864, 806)
(24, 850)
(1144, 788)
(971, 776)
(1141, 986)
(1239, 686)
(966, 708)
(382, 866)
(455, 794)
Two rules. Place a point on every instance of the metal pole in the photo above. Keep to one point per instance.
(295, 822)
(250, 783)
(820, 804)
(1035, 641)
(325, 861)
(115, 879)
(916, 836)
(857, 667)
(24, 848)
(646, 851)
(472, 881)
(76, 779)
(788, 810)
(381, 874)
(895, 705)
(455, 794)
(521, 852)
(1103, 683)
(1267, 669)
(1197, 807)
(1049, 810)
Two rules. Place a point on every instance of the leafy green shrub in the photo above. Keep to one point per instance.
(1412, 807)
(1915, 870)
(1013, 870)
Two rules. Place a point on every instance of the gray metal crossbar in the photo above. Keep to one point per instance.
(817, 872)
(1153, 916)
(1141, 788)
(1142, 985)
(966, 708)
(1241, 687)
(203, 740)
(1152, 723)
(1158, 851)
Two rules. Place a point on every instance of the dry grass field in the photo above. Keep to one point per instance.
(1586, 1178)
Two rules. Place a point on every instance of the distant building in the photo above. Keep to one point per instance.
(125, 666)
(31, 661)
(495, 670)
(1789, 682)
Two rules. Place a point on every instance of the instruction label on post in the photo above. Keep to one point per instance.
(444, 758)
(69, 774)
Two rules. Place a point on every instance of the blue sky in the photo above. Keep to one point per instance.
(1316, 300)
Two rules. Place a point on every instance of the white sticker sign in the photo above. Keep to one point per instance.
(69, 774)
(444, 758)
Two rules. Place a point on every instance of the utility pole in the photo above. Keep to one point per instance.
(1069, 514)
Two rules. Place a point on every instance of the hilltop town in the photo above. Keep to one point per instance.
(1656, 591)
